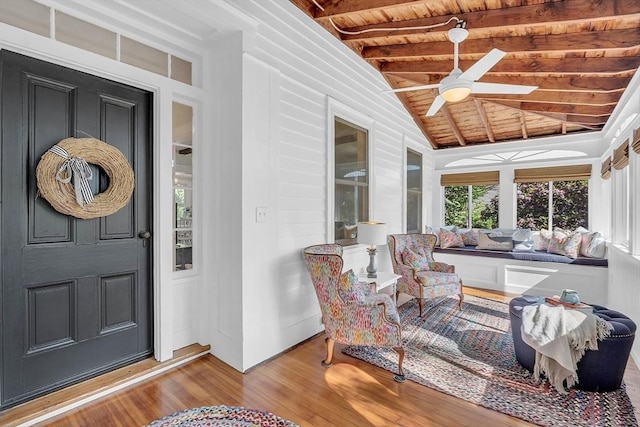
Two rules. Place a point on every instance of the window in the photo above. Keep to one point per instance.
(471, 206)
(563, 204)
(351, 179)
(553, 197)
(414, 192)
(622, 201)
(182, 186)
(626, 207)
(471, 199)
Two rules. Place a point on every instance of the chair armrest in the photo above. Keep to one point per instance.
(407, 272)
(408, 283)
(367, 287)
(442, 267)
(368, 323)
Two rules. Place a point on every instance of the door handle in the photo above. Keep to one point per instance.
(144, 234)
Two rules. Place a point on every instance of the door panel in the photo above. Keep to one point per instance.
(76, 294)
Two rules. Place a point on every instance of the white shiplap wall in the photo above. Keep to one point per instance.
(301, 198)
(293, 67)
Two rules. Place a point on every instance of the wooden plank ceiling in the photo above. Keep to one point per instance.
(580, 53)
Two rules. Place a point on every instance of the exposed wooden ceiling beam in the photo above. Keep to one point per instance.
(586, 83)
(574, 118)
(601, 65)
(572, 11)
(554, 116)
(306, 6)
(545, 96)
(587, 120)
(485, 121)
(339, 8)
(454, 127)
(575, 42)
(589, 83)
(582, 110)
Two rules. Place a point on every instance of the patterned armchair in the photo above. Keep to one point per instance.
(351, 312)
(422, 276)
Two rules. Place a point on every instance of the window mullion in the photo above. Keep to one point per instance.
(550, 205)
(469, 204)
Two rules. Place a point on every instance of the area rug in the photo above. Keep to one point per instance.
(222, 416)
(469, 354)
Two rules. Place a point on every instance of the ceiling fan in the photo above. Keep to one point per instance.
(458, 84)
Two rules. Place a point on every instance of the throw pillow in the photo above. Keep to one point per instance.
(593, 245)
(417, 261)
(489, 241)
(565, 243)
(470, 238)
(541, 242)
(436, 231)
(350, 289)
(450, 239)
(503, 232)
(522, 240)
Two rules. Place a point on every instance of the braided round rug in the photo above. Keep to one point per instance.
(222, 416)
(469, 354)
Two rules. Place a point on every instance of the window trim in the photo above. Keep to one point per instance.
(336, 109)
(195, 195)
(621, 206)
(406, 190)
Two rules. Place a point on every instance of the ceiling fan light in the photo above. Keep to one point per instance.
(456, 94)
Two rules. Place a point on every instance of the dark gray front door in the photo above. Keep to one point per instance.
(76, 294)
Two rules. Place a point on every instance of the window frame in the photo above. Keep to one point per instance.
(622, 207)
(407, 191)
(550, 211)
(469, 179)
(338, 110)
(193, 226)
(469, 203)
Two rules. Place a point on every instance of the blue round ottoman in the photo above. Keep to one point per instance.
(600, 370)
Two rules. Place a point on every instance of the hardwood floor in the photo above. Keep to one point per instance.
(295, 386)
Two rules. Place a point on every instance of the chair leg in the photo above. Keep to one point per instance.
(461, 296)
(420, 299)
(400, 376)
(328, 361)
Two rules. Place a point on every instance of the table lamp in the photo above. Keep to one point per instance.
(372, 233)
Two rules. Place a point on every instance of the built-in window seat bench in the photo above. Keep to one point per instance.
(534, 273)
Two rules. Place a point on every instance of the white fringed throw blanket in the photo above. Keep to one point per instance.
(560, 337)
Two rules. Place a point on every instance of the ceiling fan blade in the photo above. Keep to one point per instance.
(412, 88)
(437, 104)
(483, 65)
(480, 87)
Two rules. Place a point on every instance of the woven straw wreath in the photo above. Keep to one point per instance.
(62, 196)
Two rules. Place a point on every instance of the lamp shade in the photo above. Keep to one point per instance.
(372, 233)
